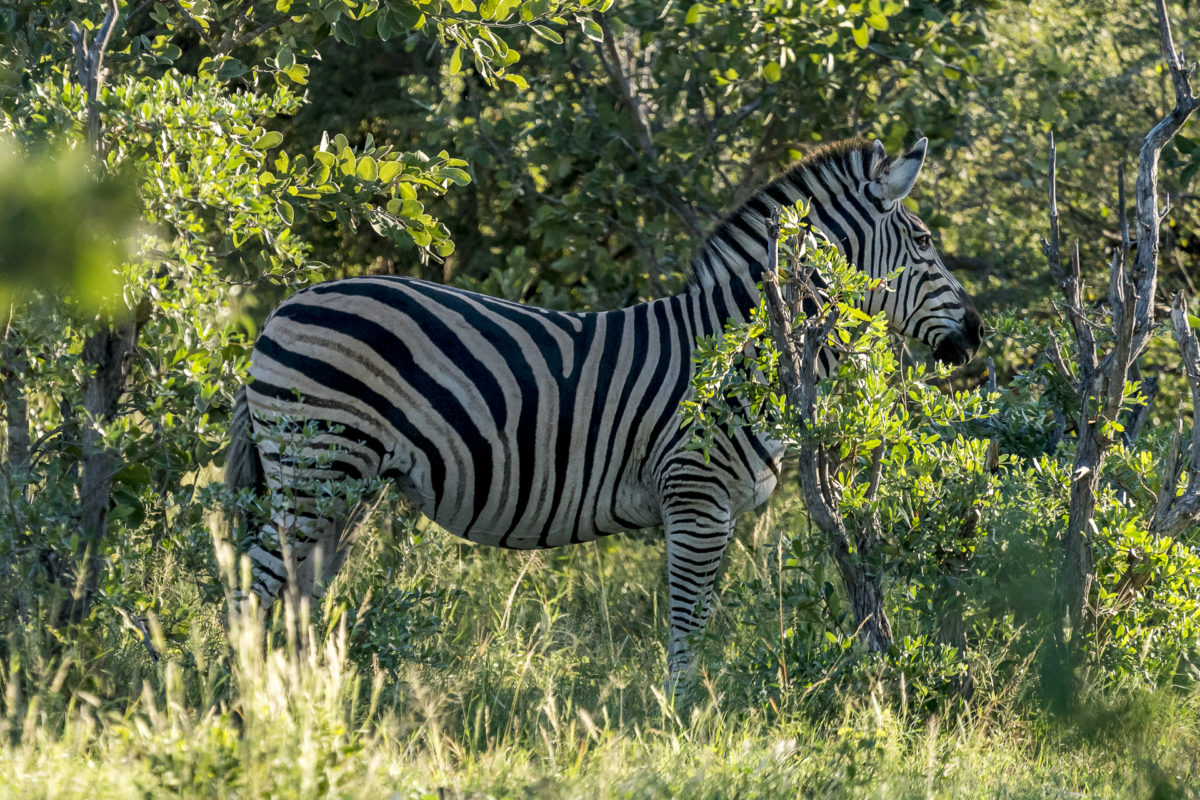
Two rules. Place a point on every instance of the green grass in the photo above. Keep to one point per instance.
(465, 672)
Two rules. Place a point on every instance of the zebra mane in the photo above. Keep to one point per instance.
(851, 157)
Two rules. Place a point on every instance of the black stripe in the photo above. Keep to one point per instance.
(613, 329)
(514, 359)
(670, 313)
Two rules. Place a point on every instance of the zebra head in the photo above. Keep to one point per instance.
(926, 302)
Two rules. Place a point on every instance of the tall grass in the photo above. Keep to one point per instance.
(436, 669)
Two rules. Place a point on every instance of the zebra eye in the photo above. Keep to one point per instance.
(923, 240)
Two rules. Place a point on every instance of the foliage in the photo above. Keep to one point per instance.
(904, 457)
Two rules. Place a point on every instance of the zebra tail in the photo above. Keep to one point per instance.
(243, 470)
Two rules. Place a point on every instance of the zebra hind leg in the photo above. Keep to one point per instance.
(314, 500)
(297, 554)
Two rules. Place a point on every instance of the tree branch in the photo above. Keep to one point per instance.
(89, 68)
(797, 371)
(610, 57)
(1145, 272)
(1183, 512)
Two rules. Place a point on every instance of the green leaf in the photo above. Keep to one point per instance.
(421, 236)
(532, 9)
(516, 80)
(285, 59)
(297, 73)
(771, 72)
(860, 36)
(695, 14)
(591, 29)
(388, 171)
(367, 169)
(456, 60)
(878, 21)
(231, 69)
(455, 175)
(549, 34)
(268, 140)
(285, 211)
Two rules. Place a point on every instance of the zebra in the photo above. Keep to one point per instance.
(522, 427)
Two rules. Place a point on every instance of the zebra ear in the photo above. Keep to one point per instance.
(877, 166)
(898, 178)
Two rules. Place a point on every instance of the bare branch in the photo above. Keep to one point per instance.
(239, 40)
(610, 57)
(1122, 204)
(1056, 358)
(1050, 247)
(1084, 337)
(1184, 511)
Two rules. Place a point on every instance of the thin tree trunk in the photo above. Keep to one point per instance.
(16, 436)
(862, 588)
(107, 356)
(1079, 566)
(798, 376)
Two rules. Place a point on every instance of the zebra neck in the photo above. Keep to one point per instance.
(731, 262)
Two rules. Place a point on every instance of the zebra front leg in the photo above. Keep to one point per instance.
(698, 531)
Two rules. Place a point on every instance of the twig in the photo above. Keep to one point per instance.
(1050, 247)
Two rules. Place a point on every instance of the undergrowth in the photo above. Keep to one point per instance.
(478, 674)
